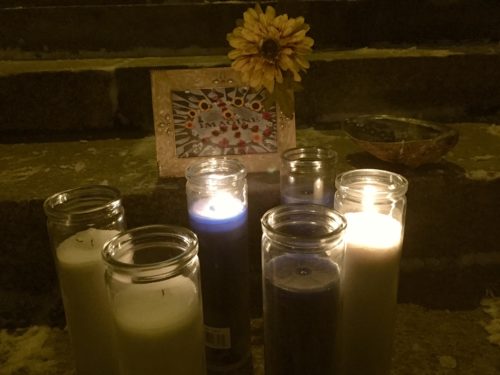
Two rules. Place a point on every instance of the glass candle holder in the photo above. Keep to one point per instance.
(374, 203)
(217, 203)
(307, 175)
(152, 277)
(302, 264)
(79, 222)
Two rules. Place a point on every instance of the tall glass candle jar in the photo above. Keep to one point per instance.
(374, 203)
(307, 175)
(152, 277)
(217, 204)
(79, 223)
(302, 265)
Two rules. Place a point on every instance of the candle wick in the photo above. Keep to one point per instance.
(92, 242)
(303, 271)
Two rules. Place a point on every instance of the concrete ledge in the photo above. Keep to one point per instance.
(99, 98)
(426, 342)
(451, 254)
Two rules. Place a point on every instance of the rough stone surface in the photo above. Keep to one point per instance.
(444, 88)
(69, 99)
(437, 342)
(172, 28)
(46, 102)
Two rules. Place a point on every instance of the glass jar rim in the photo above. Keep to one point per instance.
(354, 182)
(308, 159)
(218, 171)
(272, 217)
(82, 202)
(149, 236)
(309, 154)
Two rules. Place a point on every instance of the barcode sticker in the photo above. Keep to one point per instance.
(217, 338)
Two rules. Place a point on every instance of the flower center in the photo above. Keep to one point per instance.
(270, 49)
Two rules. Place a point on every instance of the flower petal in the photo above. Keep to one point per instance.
(250, 35)
(258, 65)
(304, 64)
(270, 14)
(250, 15)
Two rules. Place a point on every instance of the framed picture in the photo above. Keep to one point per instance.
(201, 113)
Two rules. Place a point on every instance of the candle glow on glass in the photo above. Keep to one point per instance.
(370, 229)
(318, 189)
(373, 231)
(368, 199)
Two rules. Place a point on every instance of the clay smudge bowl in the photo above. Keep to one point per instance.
(406, 141)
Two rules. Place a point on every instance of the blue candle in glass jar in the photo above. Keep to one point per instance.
(217, 205)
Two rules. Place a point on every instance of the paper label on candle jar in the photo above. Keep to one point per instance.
(217, 338)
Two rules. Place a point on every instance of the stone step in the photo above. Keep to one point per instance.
(451, 253)
(103, 98)
(57, 27)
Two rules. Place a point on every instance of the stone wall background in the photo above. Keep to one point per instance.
(431, 59)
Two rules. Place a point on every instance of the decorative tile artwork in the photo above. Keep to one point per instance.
(223, 121)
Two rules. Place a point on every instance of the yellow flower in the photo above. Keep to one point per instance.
(269, 49)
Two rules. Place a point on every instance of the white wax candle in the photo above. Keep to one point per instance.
(81, 276)
(375, 233)
(369, 291)
(159, 328)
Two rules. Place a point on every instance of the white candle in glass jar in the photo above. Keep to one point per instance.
(81, 276)
(373, 247)
(159, 328)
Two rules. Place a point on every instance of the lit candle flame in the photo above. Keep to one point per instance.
(222, 205)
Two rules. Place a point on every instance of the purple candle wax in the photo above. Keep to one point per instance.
(221, 227)
(301, 295)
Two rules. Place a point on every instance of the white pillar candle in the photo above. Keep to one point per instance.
(159, 328)
(370, 291)
(81, 276)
